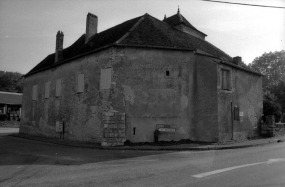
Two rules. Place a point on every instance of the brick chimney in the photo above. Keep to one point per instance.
(91, 26)
(237, 60)
(58, 46)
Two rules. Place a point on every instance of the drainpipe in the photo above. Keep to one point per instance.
(232, 120)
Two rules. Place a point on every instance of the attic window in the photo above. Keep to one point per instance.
(167, 73)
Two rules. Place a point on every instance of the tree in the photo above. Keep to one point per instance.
(11, 82)
(272, 66)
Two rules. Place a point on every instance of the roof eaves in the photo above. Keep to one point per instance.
(72, 58)
(157, 47)
(222, 61)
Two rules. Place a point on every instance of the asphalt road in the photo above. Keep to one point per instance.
(30, 163)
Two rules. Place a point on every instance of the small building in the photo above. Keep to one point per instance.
(10, 106)
(137, 77)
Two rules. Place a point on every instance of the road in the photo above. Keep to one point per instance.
(30, 163)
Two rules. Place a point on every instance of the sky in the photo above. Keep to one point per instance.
(28, 27)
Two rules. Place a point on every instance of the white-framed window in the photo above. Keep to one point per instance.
(80, 83)
(47, 90)
(35, 93)
(105, 78)
(58, 85)
(225, 79)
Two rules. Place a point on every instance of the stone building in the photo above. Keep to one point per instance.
(10, 106)
(141, 75)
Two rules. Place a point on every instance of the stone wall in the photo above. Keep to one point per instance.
(10, 123)
(114, 129)
(271, 128)
(205, 102)
(83, 113)
(157, 90)
(245, 95)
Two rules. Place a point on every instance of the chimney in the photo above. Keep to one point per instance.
(237, 60)
(91, 26)
(58, 46)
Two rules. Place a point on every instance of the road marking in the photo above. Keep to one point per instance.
(270, 161)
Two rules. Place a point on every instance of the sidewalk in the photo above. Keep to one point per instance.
(177, 147)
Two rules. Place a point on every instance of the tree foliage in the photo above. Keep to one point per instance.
(11, 82)
(272, 66)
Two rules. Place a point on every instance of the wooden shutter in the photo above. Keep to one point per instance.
(80, 83)
(35, 92)
(226, 80)
(105, 78)
(58, 88)
(47, 90)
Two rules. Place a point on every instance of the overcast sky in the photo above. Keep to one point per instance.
(28, 27)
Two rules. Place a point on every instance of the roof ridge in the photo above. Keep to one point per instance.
(131, 29)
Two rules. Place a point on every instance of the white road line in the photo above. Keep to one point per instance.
(270, 161)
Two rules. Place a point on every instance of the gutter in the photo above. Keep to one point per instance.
(230, 64)
(105, 47)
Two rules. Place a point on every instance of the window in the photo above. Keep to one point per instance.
(105, 78)
(167, 73)
(35, 93)
(47, 90)
(58, 88)
(226, 79)
(80, 83)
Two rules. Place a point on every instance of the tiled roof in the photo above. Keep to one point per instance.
(177, 19)
(153, 32)
(143, 31)
(102, 39)
(10, 98)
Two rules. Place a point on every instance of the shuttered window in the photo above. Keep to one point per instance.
(58, 88)
(80, 83)
(105, 78)
(35, 93)
(226, 79)
(47, 90)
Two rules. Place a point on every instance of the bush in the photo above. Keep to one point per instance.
(272, 108)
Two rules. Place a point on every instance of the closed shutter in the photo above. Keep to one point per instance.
(80, 83)
(226, 80)
(35, 93)
(47, 90)
(58, 88)
(105, 78)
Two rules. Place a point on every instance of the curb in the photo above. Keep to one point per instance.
(146, 149)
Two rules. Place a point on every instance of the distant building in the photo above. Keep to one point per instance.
(145, 74)
(10, 106)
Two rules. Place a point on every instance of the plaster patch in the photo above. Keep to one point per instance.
(251, 114)
(129, 94)
(93, 109)
(183, 101)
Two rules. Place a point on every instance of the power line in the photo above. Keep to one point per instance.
(243, 4)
